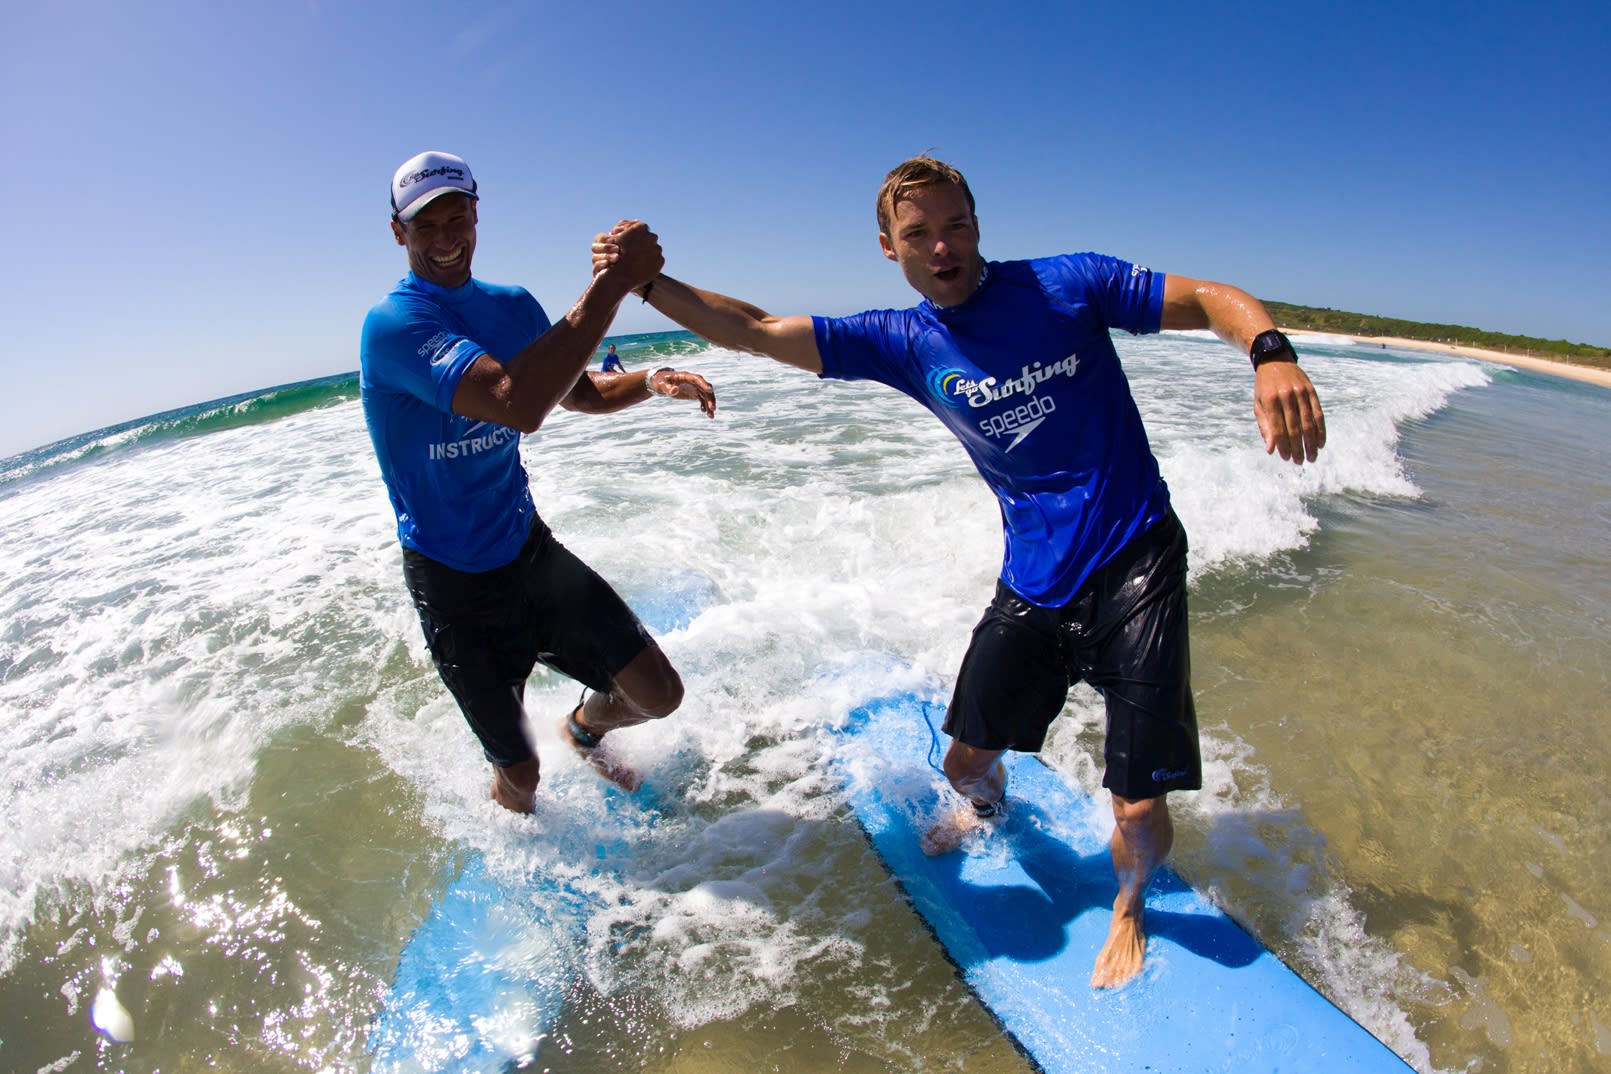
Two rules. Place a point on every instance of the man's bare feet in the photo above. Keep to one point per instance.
(950, 830)
(515, 787)
(592, 750)
(1121, 956)
(1142, 835)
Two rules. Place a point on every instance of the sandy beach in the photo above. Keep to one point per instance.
(1588, 374)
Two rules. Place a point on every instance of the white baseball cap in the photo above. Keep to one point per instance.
(423, 179)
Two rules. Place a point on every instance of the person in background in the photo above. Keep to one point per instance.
(1014, 357)
(611, 362)
(453, 371)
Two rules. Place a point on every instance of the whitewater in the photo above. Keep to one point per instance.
(234, 788)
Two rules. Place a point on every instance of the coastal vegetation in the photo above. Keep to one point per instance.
(1341, 322)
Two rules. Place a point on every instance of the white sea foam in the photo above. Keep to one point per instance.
(171, 609)
(1326, 339)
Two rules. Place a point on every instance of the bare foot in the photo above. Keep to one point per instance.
(599, 757)
(950, 830)
(515, 787)
(1120, 958)
(1142, 836)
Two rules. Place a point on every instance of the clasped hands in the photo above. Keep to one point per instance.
(631, 249)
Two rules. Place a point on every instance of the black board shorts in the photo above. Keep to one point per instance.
(1125, 634)
(486, 632)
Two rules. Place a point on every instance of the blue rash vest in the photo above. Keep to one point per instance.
(1024, 374)
(457, 485)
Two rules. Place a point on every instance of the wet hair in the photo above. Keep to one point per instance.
(913, 175)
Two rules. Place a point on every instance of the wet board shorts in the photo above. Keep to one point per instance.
(1125, 634)
(488, 630)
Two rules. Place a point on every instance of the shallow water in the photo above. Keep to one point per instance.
(234, 788)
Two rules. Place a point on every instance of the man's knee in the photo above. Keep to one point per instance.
(651, 685)
(666, 699)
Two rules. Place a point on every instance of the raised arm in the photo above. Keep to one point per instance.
(732, 322)
(722, 319)
(521, 391)
(1285, 403)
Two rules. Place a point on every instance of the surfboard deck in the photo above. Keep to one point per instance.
(465, 997)
(1023, 912)
(483, 980)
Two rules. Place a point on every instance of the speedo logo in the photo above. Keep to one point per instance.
(472, 442)
(1164, 775)
(1020, 420)
(431, 344)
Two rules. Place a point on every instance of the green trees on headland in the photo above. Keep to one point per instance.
(1363, 324)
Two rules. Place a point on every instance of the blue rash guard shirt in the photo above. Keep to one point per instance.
(457, 485)
(1024, 374)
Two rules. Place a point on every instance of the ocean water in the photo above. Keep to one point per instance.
(234, 789)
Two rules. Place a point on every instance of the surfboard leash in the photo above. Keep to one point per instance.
(934, 738)
(985, 810)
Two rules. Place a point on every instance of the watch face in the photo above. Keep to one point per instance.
(1268, 345)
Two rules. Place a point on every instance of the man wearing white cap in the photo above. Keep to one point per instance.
(452, 371)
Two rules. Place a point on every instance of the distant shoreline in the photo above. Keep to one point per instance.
(1588, 374)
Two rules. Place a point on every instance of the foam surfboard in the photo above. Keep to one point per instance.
(485, 977)
(480, 981)
(1023, 912)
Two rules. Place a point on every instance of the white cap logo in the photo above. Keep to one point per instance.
(423, 179)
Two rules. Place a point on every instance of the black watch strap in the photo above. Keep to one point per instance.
(1271, 346)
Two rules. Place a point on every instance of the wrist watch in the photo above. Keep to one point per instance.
(648, 381)
(1271, 346)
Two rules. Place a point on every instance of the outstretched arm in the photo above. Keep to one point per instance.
(521, 391)
(722, 319)
(732, 322)
(1285, 403)
(603, 393)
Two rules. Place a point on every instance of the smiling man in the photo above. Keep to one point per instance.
(1015, 358)
(452, 372)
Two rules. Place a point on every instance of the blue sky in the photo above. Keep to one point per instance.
(196, 192)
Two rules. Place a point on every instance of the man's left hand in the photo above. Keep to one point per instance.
(1288, 412)
(681, 384)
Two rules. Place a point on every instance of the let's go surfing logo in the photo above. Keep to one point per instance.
(954, 388)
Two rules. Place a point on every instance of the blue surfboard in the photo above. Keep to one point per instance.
(485, 977)
(478, 982)
(1024, 912)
